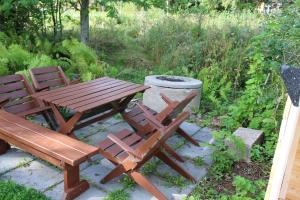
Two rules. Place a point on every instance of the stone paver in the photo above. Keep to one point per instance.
(49, 180)
(12, 159)
(36, 175)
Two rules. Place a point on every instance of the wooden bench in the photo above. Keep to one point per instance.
(60, 150)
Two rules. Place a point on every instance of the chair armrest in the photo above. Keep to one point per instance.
(40, 89)
(150, 117)
(3, 102)
(75, 81)
(124, 146)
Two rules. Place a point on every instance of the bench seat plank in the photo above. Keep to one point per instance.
(63, 148)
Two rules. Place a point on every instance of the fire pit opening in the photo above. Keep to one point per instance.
(170, 78)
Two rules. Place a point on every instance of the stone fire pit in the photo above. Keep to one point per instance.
(174, 87)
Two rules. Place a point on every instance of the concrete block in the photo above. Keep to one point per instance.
(250, 137)
(12, 159)
(37, 175)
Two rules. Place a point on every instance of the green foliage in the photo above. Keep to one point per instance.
(172, 180)
(11, 191)
(199, 161)
(83, 60)
(127, 182)
(117, 195)
(223, 156)
(246, 189)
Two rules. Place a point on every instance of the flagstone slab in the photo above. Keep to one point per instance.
(36, 174)
(95, 173)
(13, 158)
(189, 128)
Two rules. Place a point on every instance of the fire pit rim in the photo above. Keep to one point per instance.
(187, 83)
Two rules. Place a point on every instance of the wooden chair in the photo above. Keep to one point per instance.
(57, 149)
(45, 78)
(136, 119)
(17, 89)
(129, 152)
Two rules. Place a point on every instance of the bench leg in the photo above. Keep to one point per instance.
(4, 147)
(72, 185)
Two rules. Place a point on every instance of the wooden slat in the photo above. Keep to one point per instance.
(11, 87)
(14, 95)
(107, 142)
(92, 97)
(38, 141)
(44, 70)
(83, 92)
(52, 83)
(120, 95)
(66, 141)
(32, 111)
(131, 140)
(46, 77)
(10, 79)
(21, 107)
(46, 94)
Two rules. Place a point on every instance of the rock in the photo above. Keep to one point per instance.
(250, 137)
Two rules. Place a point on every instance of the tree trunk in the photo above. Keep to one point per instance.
(84, 21)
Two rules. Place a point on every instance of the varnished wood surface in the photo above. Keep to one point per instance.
(59, 146)
(293, 191)
(86, 96)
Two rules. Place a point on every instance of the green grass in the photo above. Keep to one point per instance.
(12, 191)
(117, 195)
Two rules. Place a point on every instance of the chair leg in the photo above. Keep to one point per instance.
(147, 185)
(73, 187)
(114, 173)
(187, 136)
(174, 165)
(172, 152)
(4, 147)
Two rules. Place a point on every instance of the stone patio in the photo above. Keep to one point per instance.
(32, 172)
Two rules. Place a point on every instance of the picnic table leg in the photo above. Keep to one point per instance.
(65, 127)
(4, 147)
(73, 187)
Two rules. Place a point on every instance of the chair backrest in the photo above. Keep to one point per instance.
(161, 134)
(173, 108)
(18, 90)
(48, 77)
(171, 111)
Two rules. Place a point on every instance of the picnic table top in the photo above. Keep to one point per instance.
(88, 95)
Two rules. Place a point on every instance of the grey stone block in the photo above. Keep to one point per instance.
(250, 137)
(191, 151)
(37, 175)
(189, 128)
(203, 135)
(12, 159)
(95, 173)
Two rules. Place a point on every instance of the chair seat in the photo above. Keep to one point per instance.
(127, 136)
(36, 110)
(137, 116)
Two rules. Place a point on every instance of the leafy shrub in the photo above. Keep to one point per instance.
(82, 59)
(18, 57)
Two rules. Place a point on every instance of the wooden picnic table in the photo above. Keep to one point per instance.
(89, 101)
